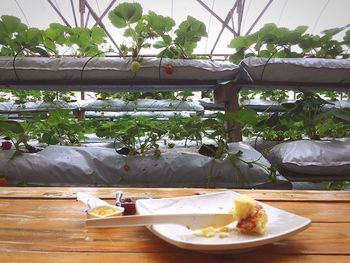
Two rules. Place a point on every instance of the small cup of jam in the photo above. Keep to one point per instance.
(129, 206)
(128, 203)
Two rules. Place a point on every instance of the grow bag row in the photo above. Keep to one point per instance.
(299, 72)
(89, 166)
(311, 160)
(145, 105)
(115, 74)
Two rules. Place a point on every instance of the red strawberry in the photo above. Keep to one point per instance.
(3, 181)
(126, 167)
(6, 145)
(169, 69)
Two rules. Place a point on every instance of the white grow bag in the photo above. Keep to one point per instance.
(311, 160)
(97, 166)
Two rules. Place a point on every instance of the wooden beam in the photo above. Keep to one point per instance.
(228, 95)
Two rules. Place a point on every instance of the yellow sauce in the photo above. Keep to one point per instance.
(104, 211)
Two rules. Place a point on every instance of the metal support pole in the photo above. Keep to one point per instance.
(229, 96)
(259, 17)
(240, 10)
(87, 19)
(74, 15)
(229, 15)
(95, 16)
(215, 15)
(82, 11)
(59, 13)
(105, 12)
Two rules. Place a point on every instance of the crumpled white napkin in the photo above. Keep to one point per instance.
(91, 201)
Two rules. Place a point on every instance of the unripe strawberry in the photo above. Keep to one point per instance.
(135, 66)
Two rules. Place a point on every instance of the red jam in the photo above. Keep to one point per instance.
(129, 206)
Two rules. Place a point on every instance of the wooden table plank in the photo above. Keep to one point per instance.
(183, 257)
(43, 223)
(51, 225)
(321, 238)
(109, 193)
(48, 208)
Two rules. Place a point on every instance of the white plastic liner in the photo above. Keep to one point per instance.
(88, 166)
(11, 107)
(297, 70)
(111, 69)
(311, 160)
(140, 105)
(151, 114)
(261, 145)
(338, 104)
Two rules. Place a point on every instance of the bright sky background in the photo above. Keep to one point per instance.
(317, 14)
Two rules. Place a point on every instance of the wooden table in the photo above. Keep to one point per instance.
(47, 225)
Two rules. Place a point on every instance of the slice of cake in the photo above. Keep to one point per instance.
(251, 217)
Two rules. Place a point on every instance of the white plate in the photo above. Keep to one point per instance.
(281, 224)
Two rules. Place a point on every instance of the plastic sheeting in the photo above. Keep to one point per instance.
(88, 166)
(152, 114)
(140, 105)
(115, 105)
(310, 160)
(11, 107)
(296, 70)
(103, 70)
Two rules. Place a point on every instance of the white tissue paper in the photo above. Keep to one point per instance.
(90, 201)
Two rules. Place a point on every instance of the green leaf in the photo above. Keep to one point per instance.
(12, 24)
(129, 32)
(190, 32)
(160, 24)
(244, 116)
(342, 116)
(160, 44)
(238, 56)
(167, 39)
(33, 37)
(239, 43)
(10, 126)
(125, 14)
(97, 35)
(301, 29)
(42, 52)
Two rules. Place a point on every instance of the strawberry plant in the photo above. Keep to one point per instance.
(139, 135)
(188, 34)
(60, 127)
(188, 129)
(16, 37)
(140, 28)
(19, 133)
(145, 29)
(308, 117)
